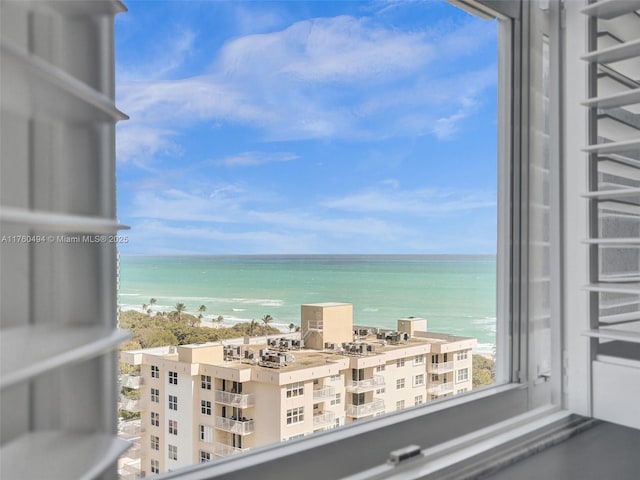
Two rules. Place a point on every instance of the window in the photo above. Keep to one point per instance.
(399, 383)
(418, 360)
(155, 419)
(206, 434)
(418, 400)
(155, 371)
(155, 442)
(462, 375)
(173, 402)
(461, 390)
(434, 377)
(380, 368)
(295, 415)
(155, 466)
(205, 456)
(173, 378)
(334, 378)
(418, 380)
(380, 390)
(173, 452)
(173, 427)
(461, 355)
(205, 382)
(295, 389)
(400, 362)
(336, 400)
(155, 395)
(205, 407)
(400, 405)
(435, 359)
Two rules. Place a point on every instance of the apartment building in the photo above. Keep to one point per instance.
(202, 401)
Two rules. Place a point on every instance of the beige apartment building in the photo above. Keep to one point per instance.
(209, 400)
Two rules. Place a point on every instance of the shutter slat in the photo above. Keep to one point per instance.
(622, 335)
(608, 9)
(613, 241)
(620, 318)
(622, 99)
(615, 147)
(59, 222)
(616, 53)
(612, 194)
(630, 288)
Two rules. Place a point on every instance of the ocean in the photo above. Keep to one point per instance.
(455, 293)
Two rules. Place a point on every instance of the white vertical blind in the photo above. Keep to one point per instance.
(58, 331)
(614, 208)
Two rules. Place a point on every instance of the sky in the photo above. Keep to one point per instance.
(306, 128)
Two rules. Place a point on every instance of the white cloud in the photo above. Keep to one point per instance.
(425, 202)
(247, 159)
(138, 142)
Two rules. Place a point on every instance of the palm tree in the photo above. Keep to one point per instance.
(144, 307)
(219, 320)
(291, 327)
(152, 302)
(252, 327)
(266, 320)
(202, 308)
(180, 307)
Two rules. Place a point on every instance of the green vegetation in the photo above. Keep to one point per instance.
(482, 371)
(179, 328)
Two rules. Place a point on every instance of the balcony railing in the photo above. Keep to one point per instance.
(325, 419)
(440, 367)
(358, 386)
(222, 450)
(132, 427)
(357, 411)
(239, 427)
(235, 399)
(131, 404)
(441, 389)
(325, 393)
(131, 381)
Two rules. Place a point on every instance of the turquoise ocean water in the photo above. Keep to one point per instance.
(456, 293)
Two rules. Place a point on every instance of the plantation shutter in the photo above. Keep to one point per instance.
(57, 275)
(614, 208)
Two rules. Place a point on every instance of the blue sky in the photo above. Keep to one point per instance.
(306, 127)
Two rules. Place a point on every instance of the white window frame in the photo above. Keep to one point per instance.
(155, 419)
(206, 433)
(205, 382)
(173, 427)
(523, 396)
(205, 456)
(462, 375)
(400, 383)
(173, 378)
(155, 371)
(337, 399)
(418, 400)
(400, 405)
(155, 466)
(295, 389)
(173, 402)
(172, 452)
(205, 407)
(400, 362)
(154, 442)
(155, 395)
(295, 415)
(418, 359)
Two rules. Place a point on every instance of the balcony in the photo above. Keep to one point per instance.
(326, 393)
(131, 428)
(239, 427)
(442, 389)
(368, 384)
(234, 399)
(131, 381)
(222, 450)
(357, 411)
(323, 420)
(440, 368)
(131, 404)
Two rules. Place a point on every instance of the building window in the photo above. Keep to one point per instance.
(461, 355)
(418, 400)
(381, 368)
(462, 390)
(434, 359)
(334, 378)
(155, 395)
(205, 456)
(295, 389)
(155, 371)
(173, 378)
(173, 452)
(462, 375)
(155, 419)
(173, 402)
(155, 442)
(295, 415)
(418, 360)
(205, 407)
(418, 380)
(435, 377)
(400, 362)
(205, 382)
(336, 400)
(399, 383)
(206, 434)
(173, 427)
(155, 466)
(380, 390)
(400, 405)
